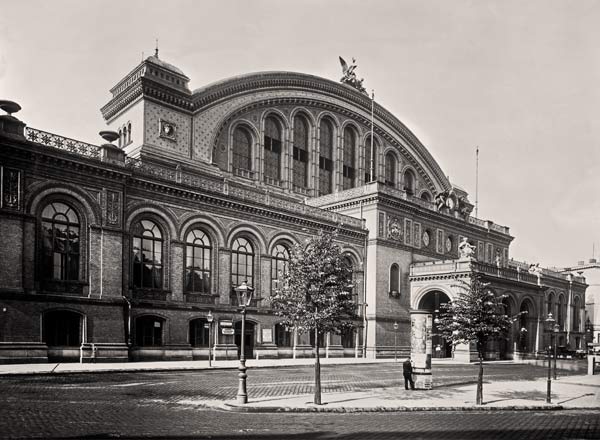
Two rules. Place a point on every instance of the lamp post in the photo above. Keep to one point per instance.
(209, 319)
(556, 329)
(244, 295)
(549, 323)
(395, 342)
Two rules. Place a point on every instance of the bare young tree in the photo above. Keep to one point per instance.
(315, 293)
(476, 315)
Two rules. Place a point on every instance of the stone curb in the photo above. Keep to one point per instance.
(314, 409)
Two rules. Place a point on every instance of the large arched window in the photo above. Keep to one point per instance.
(390, 169)
(149, 331)
(242, 151)
(409, 182)
(199, 333)
(370, 165)
(300, 152)
(198, 259)
(394, 280)
(272, 150)
(325, 157)
(551, 305)
(576, 315)
(349, 170)
(147, 256)
(560, 320)
(280, 257)
(62, 328)
(60, 242)
(242, 263)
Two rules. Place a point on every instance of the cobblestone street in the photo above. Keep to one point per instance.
(151, 405)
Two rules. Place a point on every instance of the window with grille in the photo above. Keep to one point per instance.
(242, 149)
(147, 255)
(272, 149)
(348, 172)
(300, 152)
(198, 259)
(325, 157)
(60, 242)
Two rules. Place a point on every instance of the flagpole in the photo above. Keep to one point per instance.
(477, 181)
(372, 165)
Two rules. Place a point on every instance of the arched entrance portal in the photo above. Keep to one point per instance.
(248, 338)
(431, 302)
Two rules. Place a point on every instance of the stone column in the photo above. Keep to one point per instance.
(420, 348)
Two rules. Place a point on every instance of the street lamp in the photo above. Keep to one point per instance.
(209, 319)
(244, 295)
(555, 331)
(549, 323)
(395, 342)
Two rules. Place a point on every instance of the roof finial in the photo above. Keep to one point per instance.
(156, 50)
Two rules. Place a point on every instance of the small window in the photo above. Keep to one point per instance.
(409, 183)
(199, 333)
(348, 171)
(370, 165)
(62, 328)
(283, 336)
(300, 152)
(272, 149)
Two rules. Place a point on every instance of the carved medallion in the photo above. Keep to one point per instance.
(426, 238)
(394, 229)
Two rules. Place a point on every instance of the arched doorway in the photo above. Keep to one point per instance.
(527, 330)
(248, 338)
(431, 302)
(505, 343)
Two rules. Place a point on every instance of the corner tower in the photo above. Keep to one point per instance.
(151, 109)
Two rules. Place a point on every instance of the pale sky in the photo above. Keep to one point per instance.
(520, 79)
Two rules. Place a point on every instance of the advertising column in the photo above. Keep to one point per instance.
(420, 348)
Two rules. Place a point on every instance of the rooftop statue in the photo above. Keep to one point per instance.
(350, 77)
(466, 249)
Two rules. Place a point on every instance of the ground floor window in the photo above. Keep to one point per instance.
(348, 338)
(62, 328)
(199, 333)
(149, 331)
(283, 336)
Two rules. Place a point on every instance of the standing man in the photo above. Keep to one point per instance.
(407, 370)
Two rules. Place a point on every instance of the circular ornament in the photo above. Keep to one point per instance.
(448, 244)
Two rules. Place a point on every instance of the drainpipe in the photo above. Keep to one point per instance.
(128, 320)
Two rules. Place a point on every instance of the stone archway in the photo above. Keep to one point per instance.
(431, 302)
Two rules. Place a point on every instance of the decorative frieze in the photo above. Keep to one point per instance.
(10, 188)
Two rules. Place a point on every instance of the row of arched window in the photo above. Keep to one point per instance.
(61, 253)
(558, 308)
(242, 156)
(65, 328)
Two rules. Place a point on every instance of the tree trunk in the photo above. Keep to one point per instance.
(317, 399)
(479, 398)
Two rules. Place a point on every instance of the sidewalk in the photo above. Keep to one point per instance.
(568, 392)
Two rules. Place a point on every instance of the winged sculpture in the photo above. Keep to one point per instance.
(349, 75)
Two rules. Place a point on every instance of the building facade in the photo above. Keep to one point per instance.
(120, 251)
